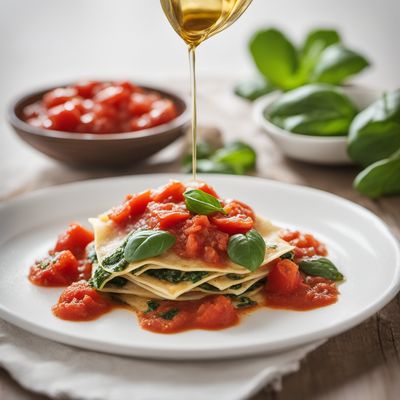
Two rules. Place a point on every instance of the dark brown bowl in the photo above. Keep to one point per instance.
(98, 150)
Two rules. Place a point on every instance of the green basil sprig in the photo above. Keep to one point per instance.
(247, 249)
(321, 266)
(147, 243)
(199, 202)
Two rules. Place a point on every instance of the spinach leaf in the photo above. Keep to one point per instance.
(254, 88)
(316, 42)
(151, 306)
(315, 109)
(168, 315)
(276, 58)
(199, 202)
(380, 178)
(337, 63)
(100, 276)
(118, 281)
(207, 286)
(245, 302)
(238, 155)
(247, 249)
(289, 255)
(320, 266)
(147, 243)
(234, 277)
(375, 132)
(175, 276)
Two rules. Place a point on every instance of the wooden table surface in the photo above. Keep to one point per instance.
(361, 364)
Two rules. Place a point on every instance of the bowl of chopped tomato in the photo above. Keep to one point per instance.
(99, 123)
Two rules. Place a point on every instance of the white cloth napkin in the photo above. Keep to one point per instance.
(62, 371)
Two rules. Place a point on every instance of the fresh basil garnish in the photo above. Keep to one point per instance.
(147, 243)
(199, 202)
(247, 249)
(320, 266)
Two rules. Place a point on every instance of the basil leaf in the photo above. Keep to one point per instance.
(315, 109)
(240, 156)
(276, 58)
(254, 88)
(338, 63)
(375, 132)
(247, 249)
(320, 266)
(380, 178)
(199, 202)
(147, 243)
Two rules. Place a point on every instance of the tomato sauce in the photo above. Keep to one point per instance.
(67, 262)
(287, 288)
(211, 313)
(306, 245)
(100, 107)
(80, 302)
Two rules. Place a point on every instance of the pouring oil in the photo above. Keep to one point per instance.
(195, 21)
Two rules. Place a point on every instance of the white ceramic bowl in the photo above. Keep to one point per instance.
(313, 149)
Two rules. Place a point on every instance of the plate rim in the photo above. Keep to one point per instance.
(188, 354)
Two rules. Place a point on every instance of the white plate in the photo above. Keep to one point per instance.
(359, 243)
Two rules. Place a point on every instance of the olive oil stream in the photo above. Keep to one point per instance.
(195, 21)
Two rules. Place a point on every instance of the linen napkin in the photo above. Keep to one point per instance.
(61, 371)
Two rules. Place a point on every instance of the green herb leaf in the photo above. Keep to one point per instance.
(375, 132)
(168, 315)
(337, 63)
(118, 281)
(240, 156)
(234, 277)
(320, 266)
(289, 255)
(207, 286)
(275, 57)
(151, 306)
(247, 249)
(315, 109)
(99, 277)
(252, 89)
(245, 302)
(175, 276)
(199, 202)
(147, 243)
(380, 178)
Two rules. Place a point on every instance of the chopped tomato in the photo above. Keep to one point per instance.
(138, 202)
(58, 96)
(64, 117)
(171, 218)
(237, 208)
(172, 192)
(80, 302)
(204, 187)
(212, 312)
(60, 269)
(233, 225)
(306, 245)
(284, 277)
(216, 312)
(100, 107)
(75, 239)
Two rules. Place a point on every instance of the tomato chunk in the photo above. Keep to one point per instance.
(284, 277)
(75, 239)
(233, 225)
(172, 192)
(306, 245)
(60, 269)
(80, 302)
(216, 312)
(58, 96)
(64, 117)
(204, 187)
(138, 202)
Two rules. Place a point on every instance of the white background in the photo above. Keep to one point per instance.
(49, 41)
